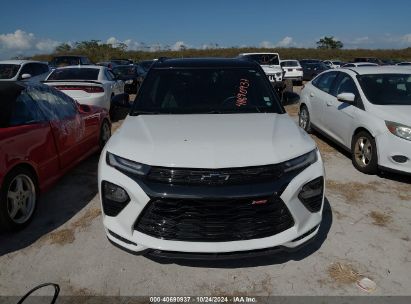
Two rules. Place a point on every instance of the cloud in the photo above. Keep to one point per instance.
(24, 44)
(283, 43)
(406, 39)
(286, 42)
(178, 46)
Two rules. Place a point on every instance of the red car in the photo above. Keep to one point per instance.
(43, 133)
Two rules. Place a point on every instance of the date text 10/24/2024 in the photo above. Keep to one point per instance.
(203, 299)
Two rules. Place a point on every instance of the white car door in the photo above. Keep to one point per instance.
(318, 95)
(339, 117)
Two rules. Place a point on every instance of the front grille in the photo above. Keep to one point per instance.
(214, 221)
(212, 177)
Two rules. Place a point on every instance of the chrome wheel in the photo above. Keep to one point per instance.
(303, 118)
(105, 133)
(21, 199)
(363, 151)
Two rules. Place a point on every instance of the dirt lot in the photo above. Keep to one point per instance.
(365, 233)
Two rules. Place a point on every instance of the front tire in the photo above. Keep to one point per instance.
(105, 133)
(304, 119)
(18, 199)
(364, 153)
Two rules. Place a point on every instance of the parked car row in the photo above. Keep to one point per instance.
(366, 110)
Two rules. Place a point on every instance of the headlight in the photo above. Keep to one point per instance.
(130, 81)
(399, 129)
(126, 166)
(301, 162)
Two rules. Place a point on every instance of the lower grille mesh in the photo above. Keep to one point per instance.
(214, 221)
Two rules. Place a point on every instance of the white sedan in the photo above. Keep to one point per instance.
(366, 110)
(90, 84)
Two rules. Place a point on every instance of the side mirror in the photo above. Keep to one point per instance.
(25, 76)
(121, 100)
(83, 108)
(346, 97)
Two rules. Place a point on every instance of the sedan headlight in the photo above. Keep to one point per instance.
(130, 81)
(126, 166)
(399, 130)
(301, 162)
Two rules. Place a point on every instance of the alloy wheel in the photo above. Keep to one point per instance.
(21, 199)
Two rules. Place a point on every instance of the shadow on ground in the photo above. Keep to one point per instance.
(57, 206)
(272, 259)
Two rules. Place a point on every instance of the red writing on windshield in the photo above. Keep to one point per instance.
(242, 93)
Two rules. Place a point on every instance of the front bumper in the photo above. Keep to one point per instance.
(120, 229)
(388, 146)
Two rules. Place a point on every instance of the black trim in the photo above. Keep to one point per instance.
(162, 254)
(161, 190)
(124, 240)
(382, 168)
(352, 70)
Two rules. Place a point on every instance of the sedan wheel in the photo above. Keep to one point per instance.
(304, 119)
(105, 133)
(21, 199)
(18, 199)
(364, 153)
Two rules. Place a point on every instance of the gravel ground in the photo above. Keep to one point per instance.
(365, 233)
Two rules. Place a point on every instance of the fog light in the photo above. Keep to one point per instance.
(114, 192)
(311, 194)
(114, 198)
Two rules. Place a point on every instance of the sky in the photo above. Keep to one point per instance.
(36, 27)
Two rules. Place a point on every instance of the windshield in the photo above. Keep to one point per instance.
(65, 61)
(387, 89)
(265, 59)
(145, 65)
(206, 90)
(290, 64)
(8, 71)
(124, 70)
(74, 74)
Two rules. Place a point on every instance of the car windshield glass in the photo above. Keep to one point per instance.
(387, 89)
(206, 90)
(124, 70)
(8, 71)
(265, 59)
(145, 65)
(65, 61)
(74, 74)
(290, 64)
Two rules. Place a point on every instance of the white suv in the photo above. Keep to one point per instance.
(367, 110)
(293, 71)
(208, 162)
(270, 62)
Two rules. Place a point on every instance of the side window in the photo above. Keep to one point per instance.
(38, 69)
(325, 81)
(27, 69)
(54, 104)
(345, 84)
(85, 60)
(25, 111)
(113, 77)
(109, 75)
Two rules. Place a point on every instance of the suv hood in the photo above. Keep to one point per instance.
(210, 141)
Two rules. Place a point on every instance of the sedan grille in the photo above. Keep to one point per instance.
(214, 221)
(227, 176)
